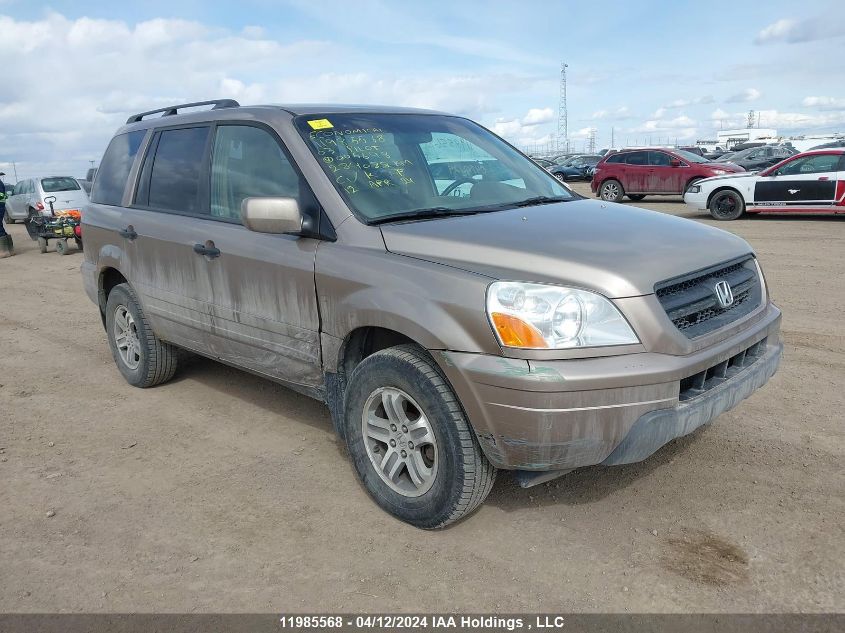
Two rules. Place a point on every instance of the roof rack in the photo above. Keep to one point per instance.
(173, 110)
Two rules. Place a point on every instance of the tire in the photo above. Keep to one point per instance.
(42, 244)
(78, 243)
(727, 205)
(9, 220)
(636, 197)
(30, 226)
(61, 246)
(560, 177)
(455, 476)
(611, 191)
(149, 362)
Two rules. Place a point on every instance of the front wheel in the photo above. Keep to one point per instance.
(410, 442)
(727, 205)
(611, 191)
(42, 244)
(61, 246)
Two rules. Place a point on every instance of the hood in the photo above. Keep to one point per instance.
(733, 176)
(616, 250)
(734, 167)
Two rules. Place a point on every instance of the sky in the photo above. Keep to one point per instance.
(638, 72)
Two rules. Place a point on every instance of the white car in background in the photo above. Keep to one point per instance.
(810, 182)
(33, 196)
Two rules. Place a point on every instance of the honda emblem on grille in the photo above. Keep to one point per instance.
(724, 294)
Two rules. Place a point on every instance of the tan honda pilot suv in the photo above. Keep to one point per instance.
(457, 309)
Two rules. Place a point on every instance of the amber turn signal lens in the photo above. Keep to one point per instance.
(514, 332)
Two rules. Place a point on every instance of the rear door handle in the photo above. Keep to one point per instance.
(823, 178)
(128, 233)
(208, 249)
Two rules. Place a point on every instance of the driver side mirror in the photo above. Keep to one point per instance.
(272, 215)
(675, 162)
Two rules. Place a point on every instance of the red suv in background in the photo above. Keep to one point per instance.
(641, 172)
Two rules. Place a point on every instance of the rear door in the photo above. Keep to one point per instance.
(636, 173)
(805, 184)
(15, 206)
(169, 211)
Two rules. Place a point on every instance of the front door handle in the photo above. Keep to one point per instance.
(128, 233)
(208, 249)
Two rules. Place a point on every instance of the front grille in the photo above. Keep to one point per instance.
(703, 381)
(690, 301)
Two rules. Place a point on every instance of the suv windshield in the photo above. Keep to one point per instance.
(61, 183)
(397, 166)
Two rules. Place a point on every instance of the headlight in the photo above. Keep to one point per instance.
(693, 189)
(540, 316)
(720, 172)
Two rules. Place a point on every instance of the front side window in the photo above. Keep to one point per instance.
(175, 178)
(110, 179)
(392, 166)
(248, 162)
(810, 165)
(659, 159)
(60, 183)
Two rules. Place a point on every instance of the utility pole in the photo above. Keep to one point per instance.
(562, 123)
(612, 138)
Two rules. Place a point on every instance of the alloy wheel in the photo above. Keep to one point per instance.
(400, 442)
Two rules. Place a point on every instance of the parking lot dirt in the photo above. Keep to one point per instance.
(221, 491)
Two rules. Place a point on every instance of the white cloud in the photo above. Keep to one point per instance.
(795, 31)
(784, 122)
(746, 96)
(622, 112)
(69, 83)
(824, 103)
(535, 116)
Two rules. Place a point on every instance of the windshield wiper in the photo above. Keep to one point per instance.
(536, 200)
(422, 214)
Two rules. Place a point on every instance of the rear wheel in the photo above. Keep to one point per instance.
(611, 191)
(410, 442)
(560, 177)
(61, 246)
(636, 197)
(78, 243)
(727, 205)
(143, 360)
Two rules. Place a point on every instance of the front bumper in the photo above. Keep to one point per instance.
(697, 200)
(564, 414)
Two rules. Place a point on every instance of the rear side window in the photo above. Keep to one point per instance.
(616, 158)
(111, 177)
(177, 169)
(61, 183)
(637, 158)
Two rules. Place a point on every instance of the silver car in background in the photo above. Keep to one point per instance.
(32, 196)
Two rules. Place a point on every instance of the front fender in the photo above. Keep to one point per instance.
(437, 306)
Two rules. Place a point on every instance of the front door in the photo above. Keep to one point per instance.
(263, 301)
(806, 184)
(663, 177)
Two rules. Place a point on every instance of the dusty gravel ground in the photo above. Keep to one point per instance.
(221, 491)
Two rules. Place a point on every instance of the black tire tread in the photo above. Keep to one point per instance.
(163, 357)
(479, 473)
